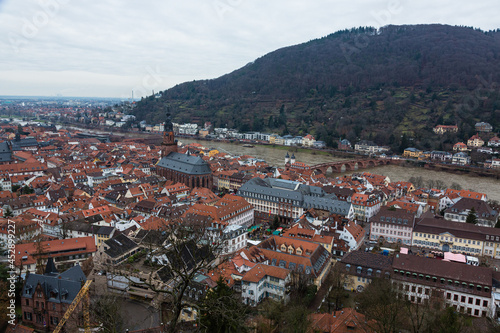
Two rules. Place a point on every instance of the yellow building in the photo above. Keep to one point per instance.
(458, 237)
(412, 152)
(213, 152)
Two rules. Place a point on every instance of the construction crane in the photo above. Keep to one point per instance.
(84, 292)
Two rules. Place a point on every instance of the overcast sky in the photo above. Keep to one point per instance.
(107, 48)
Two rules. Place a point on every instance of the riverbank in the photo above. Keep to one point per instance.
(303, 154)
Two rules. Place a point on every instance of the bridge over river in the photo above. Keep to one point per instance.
(351, 165)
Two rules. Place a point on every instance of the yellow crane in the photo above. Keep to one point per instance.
(84, 292)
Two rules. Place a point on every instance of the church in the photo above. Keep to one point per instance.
(190, 170)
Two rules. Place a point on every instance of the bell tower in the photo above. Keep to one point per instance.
(169, 144)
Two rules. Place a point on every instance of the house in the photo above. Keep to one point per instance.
(467, 194)
(235, 238)
(367, 147)
(441, 129)
(25, 229)
(461, 158)
(483, 127)
(65, 252)
(392, 225)
(442, 156)
(495, 163)
(297, 255)
(494, 142)
(319, 144)
(345, 320)
(264, 281)
(353, 234)
(412, 152)
(345, 144)
(466, 288)
(45, 298)
(308, 140)
(365, 205)
(311, 235)
(485, 215)
(361, 267)
(115, 251)
(460, 146)
(229, 210)
(475, 141)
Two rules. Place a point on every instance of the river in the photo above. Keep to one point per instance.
(276, 157)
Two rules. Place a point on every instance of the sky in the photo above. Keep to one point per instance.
(109, 48)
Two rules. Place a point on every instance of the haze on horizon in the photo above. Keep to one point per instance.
(107, 49)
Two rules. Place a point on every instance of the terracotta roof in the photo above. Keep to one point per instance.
(260, 271)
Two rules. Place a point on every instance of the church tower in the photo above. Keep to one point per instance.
(169, 144)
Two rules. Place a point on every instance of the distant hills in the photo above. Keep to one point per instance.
(390, 85)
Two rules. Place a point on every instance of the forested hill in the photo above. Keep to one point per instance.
(361, 83)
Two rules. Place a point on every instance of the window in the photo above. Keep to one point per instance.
(462, 299)
(485, 303)
(471, 300)
(455, 297)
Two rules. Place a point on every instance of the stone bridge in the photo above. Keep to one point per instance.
(352, 165)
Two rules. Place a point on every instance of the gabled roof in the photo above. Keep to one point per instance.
(187, 164)
(119, 245)
(58, 288)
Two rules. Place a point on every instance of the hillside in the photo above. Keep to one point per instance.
(359, 83)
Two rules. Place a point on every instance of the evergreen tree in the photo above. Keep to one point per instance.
(471, 217)
(222, 310)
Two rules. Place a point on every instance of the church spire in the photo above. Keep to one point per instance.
(169, 144)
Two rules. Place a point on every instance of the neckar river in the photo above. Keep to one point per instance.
(276, 157)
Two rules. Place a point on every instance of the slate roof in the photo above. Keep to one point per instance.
(367, 259)
(305, 196)
(444, 269)
(27, 142)
(188, 164)
(457, 229)
(119, 245)
(5, 152)
(56, 286)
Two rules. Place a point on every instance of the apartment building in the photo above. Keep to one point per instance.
(468, 289)
(264, 281)
(365, 205)
(392, 225)
(65, 253)
(448, 236)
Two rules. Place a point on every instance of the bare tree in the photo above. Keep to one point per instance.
(188, 250)
(107, 310)
(381, 306)
(420, 316)
(340, 283)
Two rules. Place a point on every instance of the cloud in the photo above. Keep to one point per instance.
(109, 47)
